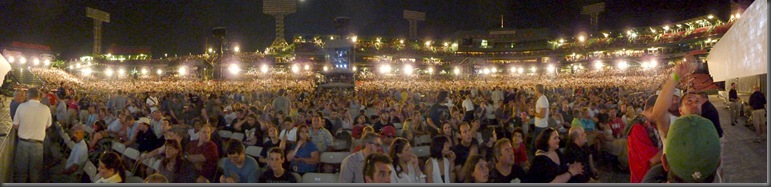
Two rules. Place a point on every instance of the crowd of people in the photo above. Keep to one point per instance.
(532, 129)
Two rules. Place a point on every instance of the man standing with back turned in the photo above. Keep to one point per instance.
(31, 120)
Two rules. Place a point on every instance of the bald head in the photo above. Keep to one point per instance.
(577, 135)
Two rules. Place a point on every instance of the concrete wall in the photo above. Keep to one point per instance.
(7, 149)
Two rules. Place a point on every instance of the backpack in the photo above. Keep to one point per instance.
(640, 120)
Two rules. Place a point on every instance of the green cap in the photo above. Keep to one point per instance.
(692, 148)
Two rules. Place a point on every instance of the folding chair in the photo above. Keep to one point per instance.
(320, 178)
(237, 136)
(224, 134)
(423, 140)
(118, 147)
(90, 170)
(422, 151)
(133, 154)
(254, 151)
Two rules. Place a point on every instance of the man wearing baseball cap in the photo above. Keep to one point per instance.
(387, 134)
(692, 154)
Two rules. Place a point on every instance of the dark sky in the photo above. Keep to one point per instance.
(180, 27)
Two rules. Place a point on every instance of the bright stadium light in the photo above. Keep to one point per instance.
(456, 71)
(47, 62)
(666, 28)
(710, 16)
(108, 72)
(264, 68)
(326, 68)
(513, 70)
(520, 70)
(493, 70)
(384, 69)
(562, 40)
(598, 64)
(486, 71)
(35, 61)
(622, 65)
(121, 71)
(11, 59)
(533, 69)
(354, 68)
(236, 49)
(401, 41)
(354, 39)
(430, 70)
(581, 38)
(295, 68)
(654, 63)
(70, 66)
(234, 69)
(550, 68)
(86, 71)
(144, 71)
(159, 72)
(407, 69)
(182, 71)
(307, 67)
(211, 50)
(428, 43)
(76, 65)
(606, 35)
(23, 60)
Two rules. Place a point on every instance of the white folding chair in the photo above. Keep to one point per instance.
(90, 170)
(297, 177)
(133, 154)
(333, 157)
(135, 179)
(320, 178)
(423, 140)
(118, 147)
(341, 145)
(253, 151)
(422, 151)
(224, 134)
(237, 136)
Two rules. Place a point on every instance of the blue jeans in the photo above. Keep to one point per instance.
(28, 162)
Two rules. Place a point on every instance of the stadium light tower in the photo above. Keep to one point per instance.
(279, 9)
(99, 17)
(593, 11)
(413, 17)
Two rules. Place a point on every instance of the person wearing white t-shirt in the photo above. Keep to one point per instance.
(31, 121)
(468, 105)
(541, 113)
(73, 169)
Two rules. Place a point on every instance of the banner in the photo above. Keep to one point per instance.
(5, 67)
(742, 51)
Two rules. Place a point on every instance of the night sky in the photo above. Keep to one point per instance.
(180, 27)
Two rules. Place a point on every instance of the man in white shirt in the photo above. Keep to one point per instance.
(78, 157)
(157, 123)
(152, 103)
(31, 120)
(541, 113)
(468, 105)
(497, 96)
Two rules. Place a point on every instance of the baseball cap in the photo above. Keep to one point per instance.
(388, 131)
(692, 148)
(144, 120)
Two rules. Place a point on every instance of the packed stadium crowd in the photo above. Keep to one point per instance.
(530, 129)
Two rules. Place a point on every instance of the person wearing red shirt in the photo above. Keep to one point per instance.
(643, 144)
(204, 154)
(520, 150)
(616, 124)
